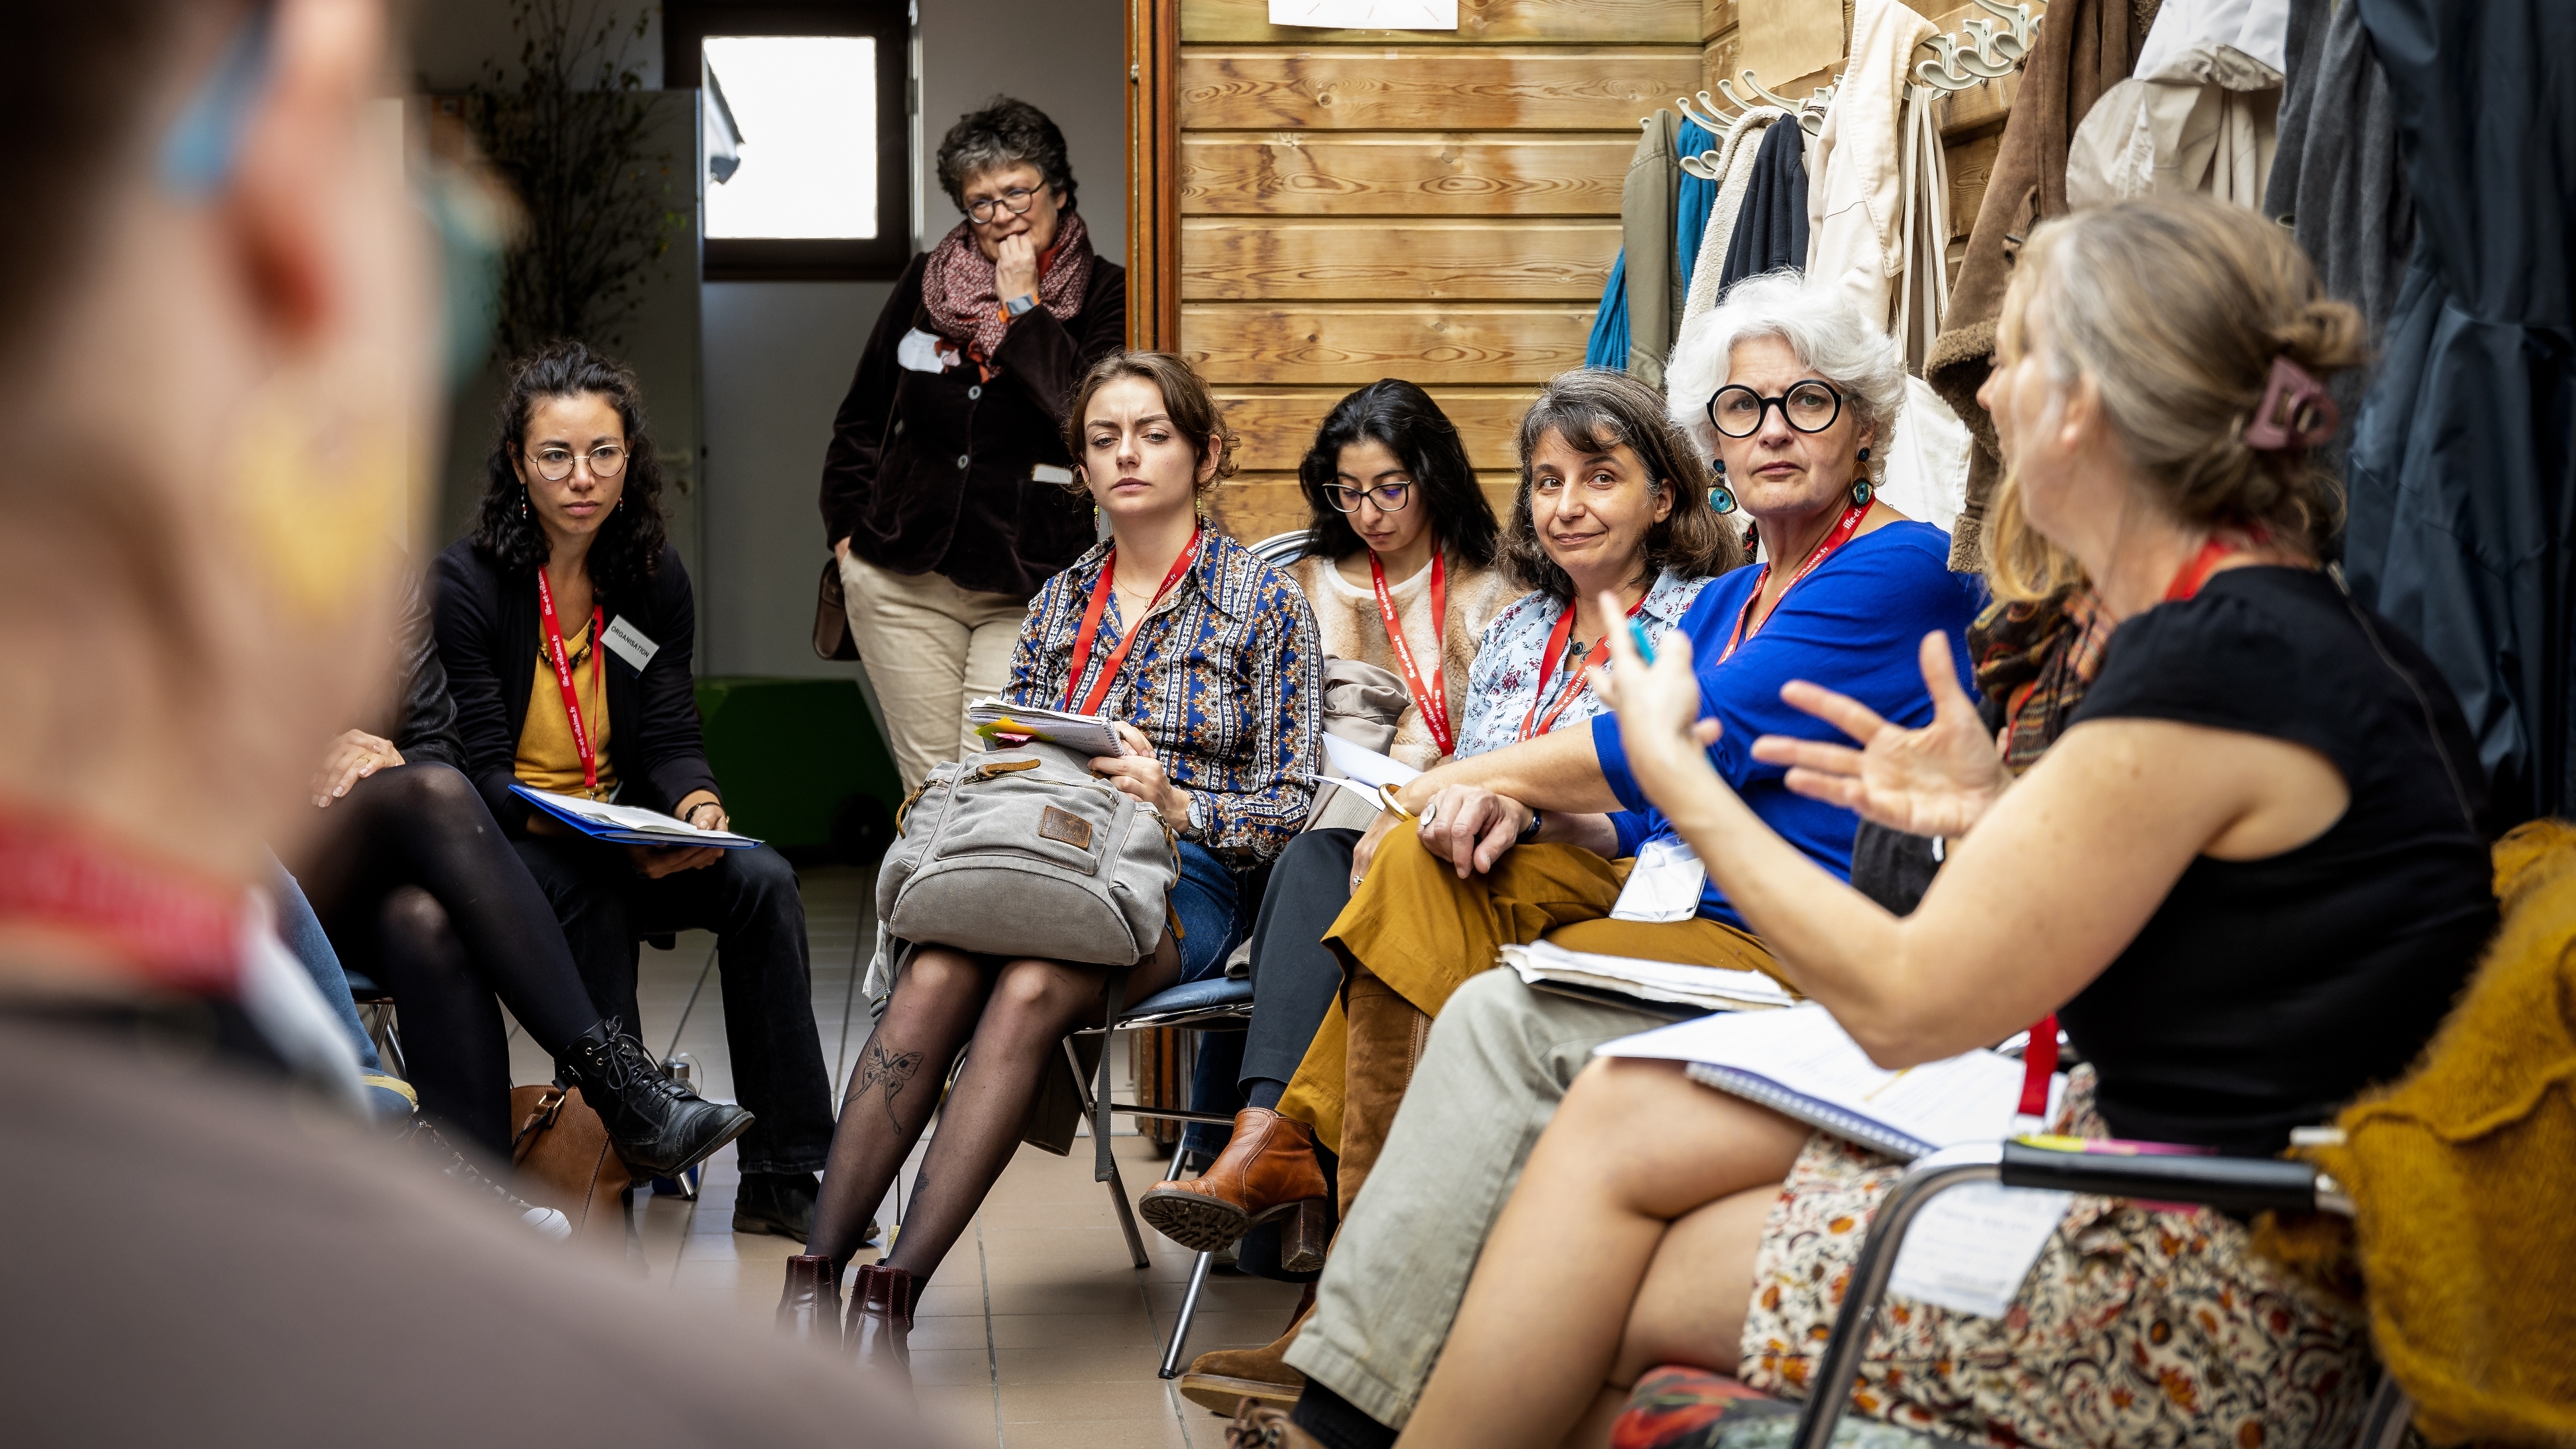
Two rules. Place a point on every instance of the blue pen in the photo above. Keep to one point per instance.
(1645, 646)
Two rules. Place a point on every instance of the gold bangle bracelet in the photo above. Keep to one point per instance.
(1386, 797)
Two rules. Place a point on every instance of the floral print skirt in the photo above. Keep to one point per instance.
(2138, 1329)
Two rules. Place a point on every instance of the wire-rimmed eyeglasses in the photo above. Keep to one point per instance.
(1389, 497)
(1016, 201)
(1810, 407)
(555, 462)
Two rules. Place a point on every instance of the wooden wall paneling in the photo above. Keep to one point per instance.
(1716, 17)
(1153, 172)
(1596, 88)
(1970, 165)
(1277, 423)
(1371, 258)
(1471, 343)
(1498, 173)
(1480, 22)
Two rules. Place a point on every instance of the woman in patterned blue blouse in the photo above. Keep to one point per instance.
(1207, 660)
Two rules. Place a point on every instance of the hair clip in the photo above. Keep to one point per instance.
(2296, 411)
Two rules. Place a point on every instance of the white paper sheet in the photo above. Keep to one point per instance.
(1971, 1247)
(1367, 14)
(1085, 734)
(1366, 765)
(1804, 1051)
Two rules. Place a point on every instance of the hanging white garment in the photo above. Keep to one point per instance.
(1742, 143)
(1923, 279)
(1855, 170)
(2201, 114)
(1927, 459)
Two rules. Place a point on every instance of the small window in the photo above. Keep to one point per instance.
(804, 168)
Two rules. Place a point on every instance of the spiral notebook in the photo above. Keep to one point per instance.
(1800, 1063)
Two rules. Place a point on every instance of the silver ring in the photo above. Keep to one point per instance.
(1429, 811)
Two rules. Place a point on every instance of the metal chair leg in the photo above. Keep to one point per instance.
(1189, 1310)
(1117, 1182)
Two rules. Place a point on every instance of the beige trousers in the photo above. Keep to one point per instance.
(929, 647)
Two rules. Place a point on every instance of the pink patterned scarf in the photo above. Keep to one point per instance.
(957, 285)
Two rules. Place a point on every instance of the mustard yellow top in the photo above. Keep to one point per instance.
(547, 758)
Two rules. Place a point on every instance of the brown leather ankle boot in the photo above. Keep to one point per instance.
(880, 1320)
(809, 1306)
(1268, 1169)
(1387, 1035)
(1223, 1379)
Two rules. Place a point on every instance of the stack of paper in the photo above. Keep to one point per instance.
(1705, 988)
(1801, 1063)
(626, 825)
(1088, 735)
(1362, 769)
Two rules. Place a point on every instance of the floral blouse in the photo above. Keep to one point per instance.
(1511, 673)
(1226, 680)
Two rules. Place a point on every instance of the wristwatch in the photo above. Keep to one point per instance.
(1529, 832)
(1020, 306)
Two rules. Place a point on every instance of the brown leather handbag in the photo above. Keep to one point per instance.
(832, 616)
(564, 1161)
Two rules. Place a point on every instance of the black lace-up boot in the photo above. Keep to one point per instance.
(661, 1127)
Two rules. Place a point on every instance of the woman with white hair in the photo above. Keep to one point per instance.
(1792, 392)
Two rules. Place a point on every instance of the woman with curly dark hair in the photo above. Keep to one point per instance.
(566, 624)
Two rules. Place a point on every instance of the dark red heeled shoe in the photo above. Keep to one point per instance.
(880, 1320)
(809, 1306)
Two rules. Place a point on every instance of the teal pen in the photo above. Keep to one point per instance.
(1645, 646)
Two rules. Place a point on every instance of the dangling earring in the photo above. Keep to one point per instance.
(523, 501)
(1721, 498)
(1861, 491)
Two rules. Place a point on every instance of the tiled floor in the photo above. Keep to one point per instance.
(1036, 1325)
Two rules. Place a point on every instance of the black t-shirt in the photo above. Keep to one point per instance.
(2264, 994)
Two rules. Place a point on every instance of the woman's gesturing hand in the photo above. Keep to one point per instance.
(1658, 706)
(1938, 780)
(1141, 775)
(352, 757)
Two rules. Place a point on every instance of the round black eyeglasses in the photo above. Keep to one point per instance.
(1809, 407)
(1389, 497)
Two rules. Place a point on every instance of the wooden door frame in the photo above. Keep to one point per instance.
(1153, 174)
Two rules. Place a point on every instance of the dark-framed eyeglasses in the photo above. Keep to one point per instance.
(1389, 497)
(1809, 407)
(1016, 201)
(555, 462)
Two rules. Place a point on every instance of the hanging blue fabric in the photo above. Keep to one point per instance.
(1691, 205)
(1609, 345)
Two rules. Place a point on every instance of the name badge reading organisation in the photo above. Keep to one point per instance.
(1664, 885)
(629, 643)
(925, 351)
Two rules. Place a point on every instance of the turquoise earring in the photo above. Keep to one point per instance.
(1861, 491)
(1719, 498)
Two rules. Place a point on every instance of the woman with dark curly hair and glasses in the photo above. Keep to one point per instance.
(947, 493)
(567, 625)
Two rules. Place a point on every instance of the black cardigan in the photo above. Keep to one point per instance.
(930, 471)
(487, 636)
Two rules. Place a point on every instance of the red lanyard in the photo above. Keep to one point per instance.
(563, 678)
(1531, 725)
(2039, 1059)
(1433, 702)
(1843, 530)
(1090, 631)
(160, 923)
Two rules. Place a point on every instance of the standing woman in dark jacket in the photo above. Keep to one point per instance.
(945, 493)
(568, 601)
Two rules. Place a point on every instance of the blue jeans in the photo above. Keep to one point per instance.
(301, 930)
(1208, 898)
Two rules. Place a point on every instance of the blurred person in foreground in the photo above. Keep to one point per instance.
(194, 596)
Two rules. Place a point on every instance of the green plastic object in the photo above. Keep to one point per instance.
(800, 762)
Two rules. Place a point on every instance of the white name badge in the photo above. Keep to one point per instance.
(1050, 473)
(629, 643)
(1664, 886)
(925, 351)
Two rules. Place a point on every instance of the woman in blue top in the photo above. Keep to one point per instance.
(1517, 844)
